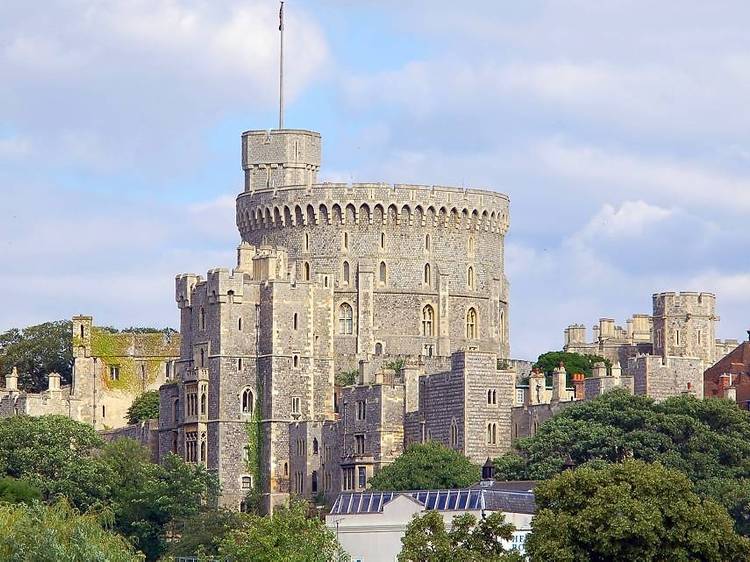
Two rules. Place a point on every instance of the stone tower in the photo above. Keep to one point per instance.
(684, 325)
(278, 158)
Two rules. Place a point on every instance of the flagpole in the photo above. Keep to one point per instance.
(281, 67)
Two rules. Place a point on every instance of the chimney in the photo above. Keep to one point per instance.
(537, 387)
(600, 369)
(559, 383)
(53, 382)
(11, 380)
(579, 385)
(616, 370)
(245, 253)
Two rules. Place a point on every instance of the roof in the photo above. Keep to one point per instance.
(467, 499)
(507, 485)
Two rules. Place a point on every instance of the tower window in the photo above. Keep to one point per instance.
(454, 433)
(294, 321)
(359, 441)
(471, 324)
(202, 315)
(492, 434)
(382, 240)
(239, 324)
(346, 323)
(248, 402)
(345, 241)
(296, 405)
(295, 361)
(470, 277)
(428, 315)
(247, 482)
(345, 272)
(426, 241)
(81, 330)
(306, 269)
(307, 242)
(114, 373)
(427, 275)
(382, 272)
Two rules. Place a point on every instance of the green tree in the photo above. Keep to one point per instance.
(52, 533)
(37, 351)
(708, 440)
(145, 407)
(55, 454)
(629, 511)
(150, 500)
(574, 362)
(13, 490)
(427, 540)
(202, 534)
(427, 466)
(289, 535)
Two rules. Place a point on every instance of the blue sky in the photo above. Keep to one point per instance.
(619, 129)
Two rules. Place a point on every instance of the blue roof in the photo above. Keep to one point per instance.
(441, 500)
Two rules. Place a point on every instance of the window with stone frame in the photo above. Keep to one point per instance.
(347, 478)
(470, 282)
(346, 319)
(454, 433)
(362, 477)
(247, 482)
(296, 405)
(247, 402)
(492, 434)
(114, 372)
(427, 275)
(471, 324)
(191, 446)
(345, 273)
(492, 397)
(359, 444)
(361, 410)
(315, 446)
(428, 317)
(314, 482)
(382, 273)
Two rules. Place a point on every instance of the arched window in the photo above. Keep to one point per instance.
(470, 277)
(239, 324)
(346, 324)
(378, 348)
(382, 240)
(203, 358)
(454, 433)
(204, 403)
(315, 446)
(307, 242)
(248, 402)
(382, 274)
(489, 397)
(294, 321)
(471, 324)
(472, 245)
(306, 269)
(345, 272)
(295, 361)
(314, 483)
(428, 315)
(491, 434)
(426, 241)
(427, 274)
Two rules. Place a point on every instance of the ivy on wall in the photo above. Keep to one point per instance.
(254, 448)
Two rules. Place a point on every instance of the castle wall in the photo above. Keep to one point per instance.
(661, 378)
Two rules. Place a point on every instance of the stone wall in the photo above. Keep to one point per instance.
(661, 378)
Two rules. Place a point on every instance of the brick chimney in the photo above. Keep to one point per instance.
(579, 385)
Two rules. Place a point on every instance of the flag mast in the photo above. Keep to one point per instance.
(281, 67)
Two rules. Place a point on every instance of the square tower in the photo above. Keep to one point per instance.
(684, 325)
(280, 157)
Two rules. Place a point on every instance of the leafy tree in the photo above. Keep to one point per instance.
(55, 454)
(149, 499)
(37, 351)
(144, 407)
(13, 490)
(289, 535)
(629, 511)
(51, 533)
(708, 440)
(574, 362)
(427, 540)
(427, 466)
(202, 534)
(346, 378)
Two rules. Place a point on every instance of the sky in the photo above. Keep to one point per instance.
(619, 130)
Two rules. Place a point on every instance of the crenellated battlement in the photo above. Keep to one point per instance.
(685, 302)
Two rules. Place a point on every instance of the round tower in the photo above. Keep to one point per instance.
(684, 325)
(416, 270)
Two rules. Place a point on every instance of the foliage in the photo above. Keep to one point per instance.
(346, 378)
(150, 498)
(395, 364)
(288, 535)
(37, 351)
(427, 540)
(708, 440)
(427, 466)
(201, 534)
(629, 511)
(145, 407)
(574, 362)
(51, 533)
(13, 490)
(54, 453)
(113, 349)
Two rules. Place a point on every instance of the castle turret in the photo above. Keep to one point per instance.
(279, 158)
(559, 384)
(684, 325)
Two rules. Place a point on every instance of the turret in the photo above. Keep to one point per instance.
(281, 157)
(559, 384)
(684, 325)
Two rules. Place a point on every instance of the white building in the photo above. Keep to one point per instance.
(369, 525)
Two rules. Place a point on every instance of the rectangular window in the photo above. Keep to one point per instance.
(519, 396)
(359, 441)
(114, 373)
(362, 477)
(347, 478)
(247, 482)
(296, 405)
(361, 409)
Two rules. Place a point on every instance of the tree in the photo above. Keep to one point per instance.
(427, 466)
(150, 499)
(37, 351)
(427, 540)
(145, 407)
(50, 533)
(708, 440)
(289, 534)
(629, 511)
(13, 490)
(203, 533)
(573, 362)
(55, 454)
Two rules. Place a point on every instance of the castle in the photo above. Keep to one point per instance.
(109, 371)
(403, 283)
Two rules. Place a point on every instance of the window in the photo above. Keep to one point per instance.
(359, 442)
(202, 315)
(362, 477)
(203, 358)
(428, 316)
(492, 434)
(472, 245)
(247, 482)
(248, 402)
(520, 396)
(345, 273)
(191, 446)
(658, 337)
(307, 242)
(268, 177)
(426, 241)
(677, 337)
(295, 361)
(239, 364)
(361, 409)
(347, 478)
(382, 240)
(345, 241)
(382, 273)
(454, 434)
(470, 277)
(82, 331)
(315, 446)
(471, 324)
(502, 325)
(230, 296)
(700, 337)
(104, 412)
(306, 269)
(346, 324)
(239, 324)
(314, 483)
(204, 403)
(296, 405)
(114, 372)
(294, 321)
(378, 348)
(492, 397)
(427, 275)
